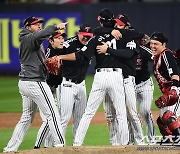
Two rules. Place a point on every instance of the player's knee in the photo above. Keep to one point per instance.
(145, 109)
(27, 119)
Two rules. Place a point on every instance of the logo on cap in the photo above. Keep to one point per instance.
(32, 20)
(85, 30)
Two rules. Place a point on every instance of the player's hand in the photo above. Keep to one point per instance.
(102, 48)
(59, 59)
(62, 26)
(116, 33)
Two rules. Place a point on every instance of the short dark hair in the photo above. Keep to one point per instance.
(159, 36)
(106, 17)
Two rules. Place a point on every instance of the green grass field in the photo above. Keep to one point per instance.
(10, 101)
(93, 137)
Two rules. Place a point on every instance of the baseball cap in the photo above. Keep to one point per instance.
(158, 36)
(85, 30)
(122, 20)
(32, 20)
(106, 15)
(57, 34)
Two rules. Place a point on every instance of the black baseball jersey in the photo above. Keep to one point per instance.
(127, 48)
(165, 65)
(102, 60)
(129, 34)
(53, 80)
(75, 70)
(129, 67)
(143, 58)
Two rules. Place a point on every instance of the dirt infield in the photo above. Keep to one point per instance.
(105, 150)
(9, 120)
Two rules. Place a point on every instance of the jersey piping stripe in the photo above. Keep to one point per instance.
(176, 107)
(42, 135)
(53, 114)
(147, 49)
(47, 53)
(166, 62)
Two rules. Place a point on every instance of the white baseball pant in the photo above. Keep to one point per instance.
(44, 135)
(33, 94)
(134, 122)
(105, 81)
(72, 102)
(144, 93)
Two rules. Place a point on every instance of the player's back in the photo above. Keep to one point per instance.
(107, 60)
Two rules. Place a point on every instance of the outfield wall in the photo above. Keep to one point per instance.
(147, 17)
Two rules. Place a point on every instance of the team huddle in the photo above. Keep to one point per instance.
(54, 81)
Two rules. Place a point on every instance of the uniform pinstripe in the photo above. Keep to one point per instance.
(33, 94)
(110, 82)
(130, 101)
(73, 87)
(144, 92)
(44, 135)
(134, 120)
(133, 117)
(72, 102)
(110, 115)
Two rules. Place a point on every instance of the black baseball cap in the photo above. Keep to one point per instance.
(105, 15)
(57, 34)
(85, 30)
(32, 20)
(159, 36)
(122, 20)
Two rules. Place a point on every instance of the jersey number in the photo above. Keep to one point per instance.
(111, 44)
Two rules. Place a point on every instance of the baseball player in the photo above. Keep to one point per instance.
(55, 47)
(144, 90)
(108, 79)
(32, 84)
(73, 88)
(122, 22)
(167, 73)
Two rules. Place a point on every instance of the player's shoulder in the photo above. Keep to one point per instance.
(168, 53)
(70, 41)
(103, 37)
(168, 56)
